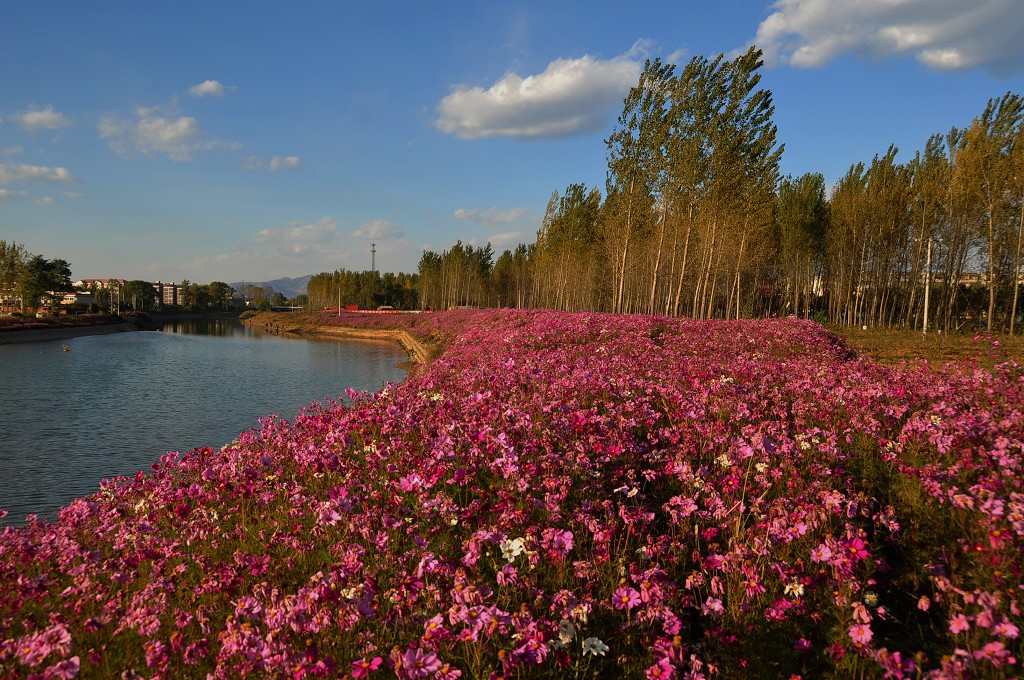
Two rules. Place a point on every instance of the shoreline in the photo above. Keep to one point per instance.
(402, 337)
(421, 355)
(63, 332)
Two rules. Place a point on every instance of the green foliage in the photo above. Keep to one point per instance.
(140, 295)
(367, 289)
(39, 277)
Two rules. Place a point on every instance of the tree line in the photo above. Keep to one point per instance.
(695, 220)
(25, 277)
(28, 281)
(366, 289)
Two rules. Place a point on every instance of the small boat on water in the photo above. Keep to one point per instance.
(65, 349)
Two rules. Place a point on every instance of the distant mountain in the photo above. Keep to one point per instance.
(286, 286)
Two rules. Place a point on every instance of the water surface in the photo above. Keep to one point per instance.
(113, 404)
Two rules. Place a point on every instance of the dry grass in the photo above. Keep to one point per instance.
(892, 346)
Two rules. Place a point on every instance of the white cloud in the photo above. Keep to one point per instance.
(378, 229)
(46, 200)
(505, 239)
(276, 163)
(942, 34)
(156, 132)
(285, 163)
(570, 97)
(41, 119)
(21, 172)
(207, 88)
(296, 238)
(8, 195)
(492, 217)
(11, 150)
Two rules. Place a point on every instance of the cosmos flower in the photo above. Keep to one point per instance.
(625, 598)
(361, 668)
(594, 647)
(861, 633)
(511, 549)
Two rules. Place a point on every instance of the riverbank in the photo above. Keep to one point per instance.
(303, 324)
(14, 335)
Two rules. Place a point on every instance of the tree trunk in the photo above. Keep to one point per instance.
(657, 257)
(991, 270)
(1016, 269)
(682, 266)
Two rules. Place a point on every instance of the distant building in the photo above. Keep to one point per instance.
(9, 302)
(99, 284)
(169, 293)
(77, 298)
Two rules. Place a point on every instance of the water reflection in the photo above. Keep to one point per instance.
(212, 327)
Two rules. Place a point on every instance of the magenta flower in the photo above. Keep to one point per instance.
(625, 598)
(958, 624)
(446, 672)
(861, 633)
(420, 664)
(156, 653)
(996, 653)
(712, 607)
(361, 668)
(1006, 629)
(663, 670)
(856, 549)
(65, 669)
(821, 554)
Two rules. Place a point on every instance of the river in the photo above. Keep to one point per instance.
(113, 404)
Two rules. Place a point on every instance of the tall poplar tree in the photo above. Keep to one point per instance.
(635, 161)
(987, 153)
(802, 219)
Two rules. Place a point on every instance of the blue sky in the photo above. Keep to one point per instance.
(255, 140)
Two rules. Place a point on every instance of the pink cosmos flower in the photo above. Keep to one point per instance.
(1006, 629)
(420, 664)
(507, 575)
(997, 653)
(156, 653)
(558, 541)
(446, 672)
(861, 633)
(361, 668)
(821, 554)
(856, 549)
(625, 598)
(663, 670)
(67, 668)
(712, 607)
(959, 624)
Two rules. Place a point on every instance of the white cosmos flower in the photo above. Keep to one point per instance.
(566, 631)
(594, 646)
(511, 549)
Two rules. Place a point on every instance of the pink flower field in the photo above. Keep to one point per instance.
(561, 495)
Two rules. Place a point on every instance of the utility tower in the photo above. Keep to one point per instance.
(373, 273)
